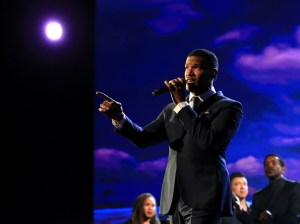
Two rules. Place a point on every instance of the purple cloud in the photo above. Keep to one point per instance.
(292, 169)
(276, 60)
(285, 141)
(239, 34)
(287, 129)
(154, 167)
(250, 166)
(173, 17)
(116, 160)
(111, 158)
(271, 63)
(290, 138)
(272, 57)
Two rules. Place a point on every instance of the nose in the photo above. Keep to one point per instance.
(189, 72)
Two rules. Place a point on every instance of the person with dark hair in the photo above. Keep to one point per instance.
(144, 210)
(198, 127)
(239, 187)
(279, 202)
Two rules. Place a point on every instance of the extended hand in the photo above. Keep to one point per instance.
(110, 108)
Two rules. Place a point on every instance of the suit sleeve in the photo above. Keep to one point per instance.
(292, 215)
(254, 211)
(153, 133)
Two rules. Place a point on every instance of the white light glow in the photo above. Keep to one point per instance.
(54, 31)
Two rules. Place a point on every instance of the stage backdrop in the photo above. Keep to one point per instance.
(139, 44)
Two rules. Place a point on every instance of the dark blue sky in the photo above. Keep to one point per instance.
(139, 44)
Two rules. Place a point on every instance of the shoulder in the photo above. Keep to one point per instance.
(227, 100)
(292, 184)
(260, 193)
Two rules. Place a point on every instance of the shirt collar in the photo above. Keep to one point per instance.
(204, 96)
(278, 181)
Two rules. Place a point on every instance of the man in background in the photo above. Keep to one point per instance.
(279, 201)
(239, 188)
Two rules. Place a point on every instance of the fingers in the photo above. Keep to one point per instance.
(105, 106)
(174, 84)
(178, 82)
(176, 87)
(265, 215)
(167, 84)
(104, 96)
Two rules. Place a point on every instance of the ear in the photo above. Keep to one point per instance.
(283, 170)
(214, 73)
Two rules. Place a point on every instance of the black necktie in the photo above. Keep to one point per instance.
(196, 102)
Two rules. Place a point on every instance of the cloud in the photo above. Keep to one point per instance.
(253, 167)
(292, 169)
(288, 129)
(111, 158)
(238, 34)
(277, 63)
(173, 17)
(291, 138)
(285, 141)
(272, 57)
(250, 166)
(154, 167)
(117, 160)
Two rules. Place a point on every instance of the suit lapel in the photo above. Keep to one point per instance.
(207, 103)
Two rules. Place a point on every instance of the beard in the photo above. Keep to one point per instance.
(192, 87)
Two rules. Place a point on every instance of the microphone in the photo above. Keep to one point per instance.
(161, 90)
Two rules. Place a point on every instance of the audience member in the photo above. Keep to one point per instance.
(144, 210)
(239, 188)
(279, 201)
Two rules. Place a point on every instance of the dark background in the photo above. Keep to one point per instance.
(47, 114)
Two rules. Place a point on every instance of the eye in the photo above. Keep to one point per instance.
(195, 67)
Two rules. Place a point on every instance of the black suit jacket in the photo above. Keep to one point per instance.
(239, 217)
(196, 168)
(284, 204)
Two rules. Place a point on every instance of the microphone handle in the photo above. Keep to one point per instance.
(160, 91)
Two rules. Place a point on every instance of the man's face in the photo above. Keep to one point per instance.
(197, 75)
(273, 168)
(239, 186)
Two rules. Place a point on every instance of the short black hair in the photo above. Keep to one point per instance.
(209, 57)
(275, 155)
(235, 175)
